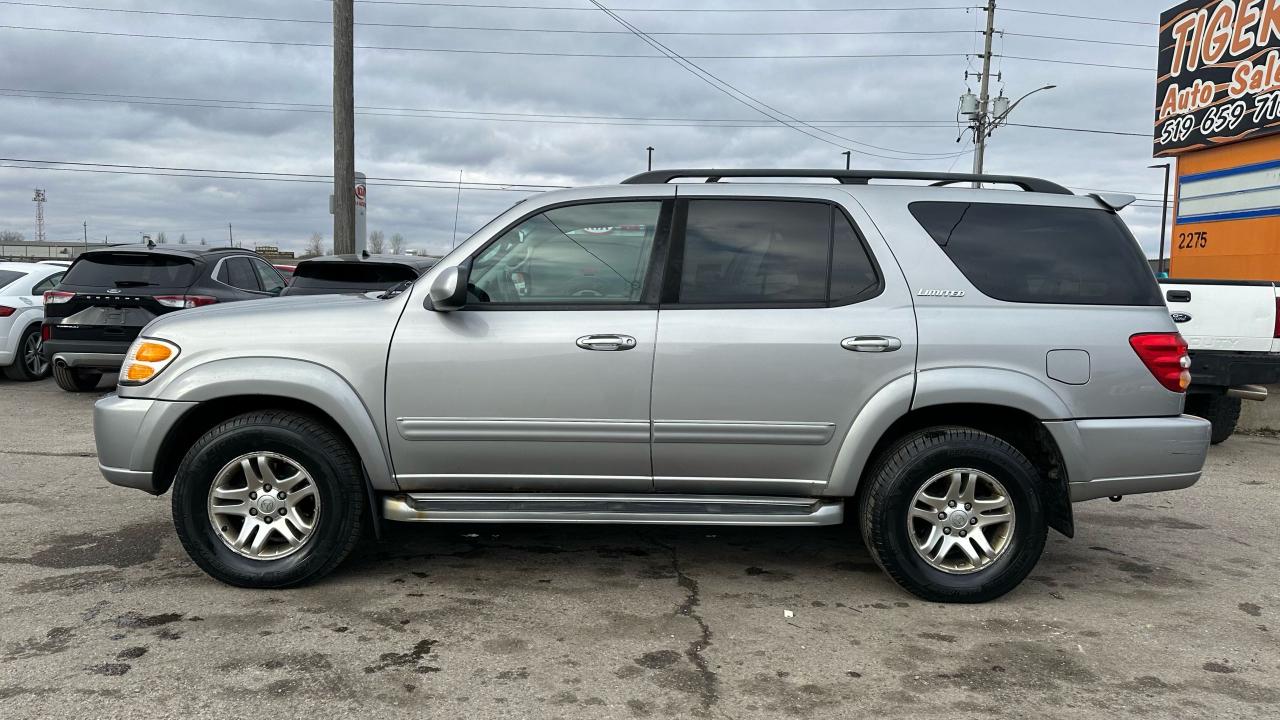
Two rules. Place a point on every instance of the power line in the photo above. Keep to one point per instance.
(225, 174)
(1080, 40)
(1079, 62)
(1081, 17)
(445, 114)
(743, 98)
(470, 51)
(417, 26)
(573, 8)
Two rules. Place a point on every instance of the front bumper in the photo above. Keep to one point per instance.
(128, 433)
(1128, 456)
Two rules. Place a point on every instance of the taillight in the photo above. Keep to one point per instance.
(53, 297)
(45, 331)
(1165, 355)
(185, 301)
(6, 311)
(1276, 334)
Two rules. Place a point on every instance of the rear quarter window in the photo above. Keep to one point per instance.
(131, 270)
(1038, 254)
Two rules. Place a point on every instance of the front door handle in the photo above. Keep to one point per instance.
(871, 343)
(606, 342)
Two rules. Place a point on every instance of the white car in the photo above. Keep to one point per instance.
(22, 288)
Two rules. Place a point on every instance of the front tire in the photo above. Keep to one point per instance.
(29, 365)
(953, 515)
(75, 379)
(269, 499)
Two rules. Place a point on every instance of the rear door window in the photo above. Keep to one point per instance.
(268, 278)
(238, 273)
(1037, 254)
(126, 269)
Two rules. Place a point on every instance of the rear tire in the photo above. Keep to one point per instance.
(76, 379)
(291, 442)
(899, 527)
(29, 365)
(1222, 412)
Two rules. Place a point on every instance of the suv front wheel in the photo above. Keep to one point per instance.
(269, 499)
(953, 514)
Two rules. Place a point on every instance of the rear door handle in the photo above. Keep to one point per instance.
(871, 343)
(606, 342)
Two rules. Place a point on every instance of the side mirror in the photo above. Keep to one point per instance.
(448, 291)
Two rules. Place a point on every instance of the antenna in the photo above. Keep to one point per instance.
(39, 201)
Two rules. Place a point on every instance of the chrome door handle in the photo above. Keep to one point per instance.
(606, 342)
(871, 343)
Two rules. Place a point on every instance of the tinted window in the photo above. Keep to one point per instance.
(581, 254)
(755, 251)
(352, 276)
(1029, 253)
(853, 274)
(237, 272)
(268, 278)
(125, 269)
(8, 276)
(48, 283)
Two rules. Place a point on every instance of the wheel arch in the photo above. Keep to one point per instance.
(226, 388)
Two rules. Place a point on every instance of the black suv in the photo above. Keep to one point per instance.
(344, 274)
(109, 295)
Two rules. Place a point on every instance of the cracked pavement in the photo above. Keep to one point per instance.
(1162, 606)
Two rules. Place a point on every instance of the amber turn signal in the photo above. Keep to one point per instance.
(152, 352)
(138, 372)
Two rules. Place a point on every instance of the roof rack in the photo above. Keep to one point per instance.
(849, 177)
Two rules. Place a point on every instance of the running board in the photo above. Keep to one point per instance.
(633, 509)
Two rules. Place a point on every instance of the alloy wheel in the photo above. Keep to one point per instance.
(263, 505)
(32, 356)
(961, 520)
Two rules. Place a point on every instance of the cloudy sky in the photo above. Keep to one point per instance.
(513, 102)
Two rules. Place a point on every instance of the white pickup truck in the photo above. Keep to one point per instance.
(1233, 330)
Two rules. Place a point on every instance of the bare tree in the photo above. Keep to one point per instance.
(11, 236)
(161, 239)
(315, 246)
(397, 244)
(202, 242)
(377, 242)
(182, 239)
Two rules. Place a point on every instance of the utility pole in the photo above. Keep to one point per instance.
(1164, 216)
(231, 239)
(984, 93)
(344, 121)
(650, 149)
(86, 234)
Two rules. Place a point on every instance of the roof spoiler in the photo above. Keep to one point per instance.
(1113, 201)
(848, 177)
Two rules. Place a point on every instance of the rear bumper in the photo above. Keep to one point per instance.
(1128, 456)
(86, 353)
(128, 433)
(1216, 368)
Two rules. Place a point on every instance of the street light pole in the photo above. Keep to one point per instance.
(650, 149)
(1164, 216)
(847, 155)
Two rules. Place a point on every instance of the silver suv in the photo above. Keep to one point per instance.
(952, 366)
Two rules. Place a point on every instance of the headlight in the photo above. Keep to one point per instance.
(146, 358)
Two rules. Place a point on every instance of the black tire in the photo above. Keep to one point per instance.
(1222, 412)
(20, 370)
(902, 469)
(76, 379)
(321, 451)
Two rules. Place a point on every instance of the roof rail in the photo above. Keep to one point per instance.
(849, 177)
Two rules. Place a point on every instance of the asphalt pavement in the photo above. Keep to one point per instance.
(1163, 606)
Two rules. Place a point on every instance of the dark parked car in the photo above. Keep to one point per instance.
(336, 274)
(109, 295)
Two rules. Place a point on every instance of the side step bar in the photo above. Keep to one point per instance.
(635, 509)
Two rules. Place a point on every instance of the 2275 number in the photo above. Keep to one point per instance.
(1193, 240)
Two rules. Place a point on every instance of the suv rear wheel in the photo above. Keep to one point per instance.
(1222, 412)
(76, 379)
(269, 499)
(953, 514)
